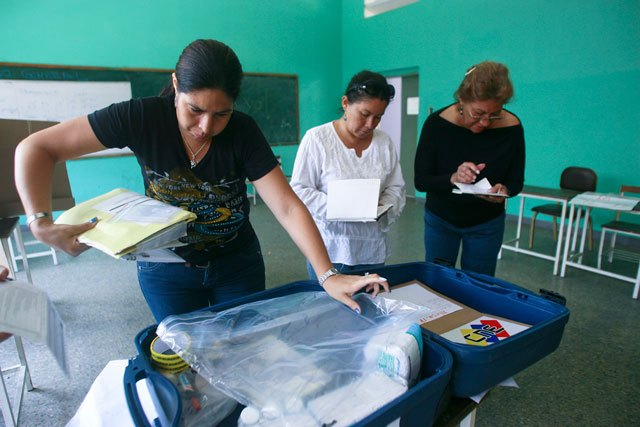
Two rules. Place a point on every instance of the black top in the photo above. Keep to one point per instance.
(215, 189)
(443, 146)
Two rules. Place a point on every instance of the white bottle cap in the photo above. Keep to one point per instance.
(250, 415)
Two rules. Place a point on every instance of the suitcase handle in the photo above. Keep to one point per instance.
(161, 389)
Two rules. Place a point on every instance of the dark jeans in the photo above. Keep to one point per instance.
(174, 288)
(342, 268)
(480, 243)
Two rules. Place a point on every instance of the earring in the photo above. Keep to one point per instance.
(344, 117)
(461, 109)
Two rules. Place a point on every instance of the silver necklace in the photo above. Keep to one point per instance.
(193, 160)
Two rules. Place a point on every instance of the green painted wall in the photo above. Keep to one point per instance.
(575, 66)
(287, 36)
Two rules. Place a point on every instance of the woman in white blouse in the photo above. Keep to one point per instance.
(352, 148)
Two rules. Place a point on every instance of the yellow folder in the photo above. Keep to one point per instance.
(128, 221)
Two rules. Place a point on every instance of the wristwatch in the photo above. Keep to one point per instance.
(330, 272)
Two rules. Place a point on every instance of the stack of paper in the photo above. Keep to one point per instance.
(481, 187)
(130, 225)
(28, 312)
(354, 200)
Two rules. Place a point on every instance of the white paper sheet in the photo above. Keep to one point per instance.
(416, 294)
(509, 382)
(28, 312)
(353, 200)
(481, 187)
(105, 404)
(606, 201)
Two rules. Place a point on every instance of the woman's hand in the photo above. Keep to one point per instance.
(62, 237)
(498, 188)
(342, 286)
(467, 173)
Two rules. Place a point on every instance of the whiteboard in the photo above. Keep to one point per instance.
(57, 101)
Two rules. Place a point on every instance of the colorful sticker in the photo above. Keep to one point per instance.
(484, 331)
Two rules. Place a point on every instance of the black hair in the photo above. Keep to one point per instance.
(369, 84)
(207, 64)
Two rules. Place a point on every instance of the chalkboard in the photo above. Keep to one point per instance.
(271, 99)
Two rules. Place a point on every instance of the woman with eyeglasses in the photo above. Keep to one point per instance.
(195, 151)
(352, 148)
(465, 142)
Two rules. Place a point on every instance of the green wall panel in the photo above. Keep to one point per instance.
(575, 67)
(287, 36)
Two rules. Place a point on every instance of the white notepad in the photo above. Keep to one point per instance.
(354, 200)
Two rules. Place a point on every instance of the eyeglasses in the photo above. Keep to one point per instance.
(487, 116)
(373, 88)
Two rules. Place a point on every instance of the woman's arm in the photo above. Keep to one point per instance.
(515, 176)
(394, 190)
(427, 177)
(294, 217)
(307, 175)
(35, 159)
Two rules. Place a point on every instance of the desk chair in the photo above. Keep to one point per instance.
(572, 178)
(622, 227)
(11, 413)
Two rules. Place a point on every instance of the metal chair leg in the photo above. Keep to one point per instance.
(612, 248)
(533, 229)
(23, 362)
(601, 247)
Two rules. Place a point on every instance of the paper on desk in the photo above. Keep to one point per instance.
(354, 200)
(606, 201)
(481, 187)
(28, 312)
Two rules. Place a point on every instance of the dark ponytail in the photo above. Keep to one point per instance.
(207, 64)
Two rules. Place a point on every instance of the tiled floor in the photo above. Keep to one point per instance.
(592, 379)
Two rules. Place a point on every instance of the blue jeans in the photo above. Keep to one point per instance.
(175, 288)
(480, 243)
(342, 268)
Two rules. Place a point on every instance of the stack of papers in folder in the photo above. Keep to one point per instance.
(354, 200)
(130, 225)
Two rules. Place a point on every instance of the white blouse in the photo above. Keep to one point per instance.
(322, 157)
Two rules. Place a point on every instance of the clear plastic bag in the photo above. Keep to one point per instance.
(303, 359)
(202, 404)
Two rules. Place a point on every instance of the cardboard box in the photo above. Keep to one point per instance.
(11, 133)
(449, 316)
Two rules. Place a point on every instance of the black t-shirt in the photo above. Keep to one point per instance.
(443, 146)
(215, 189)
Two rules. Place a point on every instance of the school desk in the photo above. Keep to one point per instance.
(573, 258)
(561, 196)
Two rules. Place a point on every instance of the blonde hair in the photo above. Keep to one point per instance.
(484, 81)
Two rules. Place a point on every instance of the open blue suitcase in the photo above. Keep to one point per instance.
(418, 406)
(476, 369)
